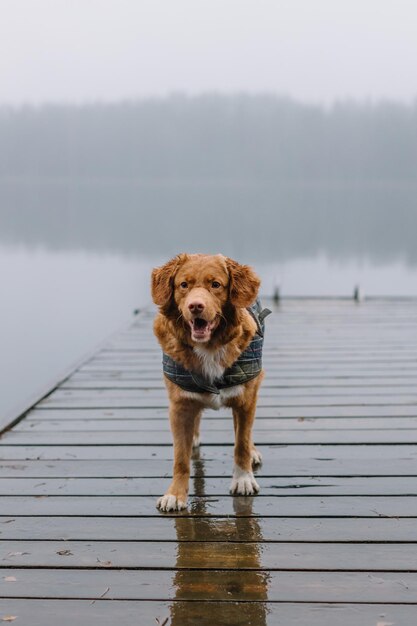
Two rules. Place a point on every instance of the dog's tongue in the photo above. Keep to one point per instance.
(200, 328)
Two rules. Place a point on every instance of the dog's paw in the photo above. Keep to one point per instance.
(196, 441)
(256, 457)
(169, 502)
(243, 483)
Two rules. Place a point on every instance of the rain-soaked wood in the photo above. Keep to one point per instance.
(273, 453)
(211, 555)
(216, 424)
(211, 585)
(332, 536)
(189, 613)
(152, 437)
(209, 468)
(246, 529)
(216, 506)
(218, 486)
(262, 412)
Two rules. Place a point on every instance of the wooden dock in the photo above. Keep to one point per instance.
(331, 539)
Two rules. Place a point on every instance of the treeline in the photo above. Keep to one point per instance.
(210, 138)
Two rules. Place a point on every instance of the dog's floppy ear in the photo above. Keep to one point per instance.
(244, 284)
(163, 280)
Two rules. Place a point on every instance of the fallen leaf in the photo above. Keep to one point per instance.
(65, 553)
(17, 553)
(105, 563)
(9, 618)
(10, 579)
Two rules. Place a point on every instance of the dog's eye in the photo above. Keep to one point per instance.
(215, 284)
(184, 285)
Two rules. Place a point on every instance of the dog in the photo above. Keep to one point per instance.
(210, 328)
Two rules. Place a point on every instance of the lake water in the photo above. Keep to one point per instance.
(75, 259)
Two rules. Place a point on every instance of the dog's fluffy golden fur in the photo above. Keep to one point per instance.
(203, 324)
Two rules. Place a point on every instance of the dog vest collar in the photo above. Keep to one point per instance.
(247, 366)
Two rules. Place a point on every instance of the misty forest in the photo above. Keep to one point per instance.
(159, 175)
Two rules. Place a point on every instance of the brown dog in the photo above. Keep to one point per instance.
(212, 357)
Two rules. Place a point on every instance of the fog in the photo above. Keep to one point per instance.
(262, 178)
(108, 50)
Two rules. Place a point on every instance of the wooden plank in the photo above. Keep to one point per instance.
(219, 486)
(211, 555)
(134, 383)
(212, 422)
(104, 402)
(280, 393)
(211, 585)
(104, 613)
(206, 468)
(122, 381)
(306, 412)
(236, 529)
(221, 437)
(216, 506)
(269, 453)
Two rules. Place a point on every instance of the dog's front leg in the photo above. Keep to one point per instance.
(182, 416)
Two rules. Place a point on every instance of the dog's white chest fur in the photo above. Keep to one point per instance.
(210, 362)
(212, 369)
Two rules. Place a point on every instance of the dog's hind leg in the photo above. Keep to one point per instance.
(196, 437)
(256, 456)
(243, 481)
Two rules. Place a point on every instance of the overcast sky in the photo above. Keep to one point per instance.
(315, 50)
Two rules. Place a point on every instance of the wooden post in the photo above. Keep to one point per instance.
(358, 295)
(276, 296)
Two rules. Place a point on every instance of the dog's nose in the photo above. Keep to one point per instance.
(197, 306)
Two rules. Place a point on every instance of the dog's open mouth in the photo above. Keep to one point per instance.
(201, 329)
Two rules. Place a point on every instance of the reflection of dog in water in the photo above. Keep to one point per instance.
(206, 544)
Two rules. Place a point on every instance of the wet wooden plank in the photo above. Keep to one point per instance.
(216, 506)
(211, 437)
(278, 367)
(399, 384)
(211, 555)
(202, 529)
(182, 613)
(103, 402)
(222, 452)
(206, 468)
(278, 392)
(212, 423)
(219, 486)
(66, 413)
(211, 585)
